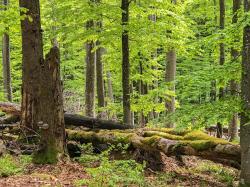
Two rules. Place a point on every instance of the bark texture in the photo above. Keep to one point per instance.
(32, 50)
(222, 58)
(6, 63)
(90, 75)
(170, 79)
(125, 63)
(42, 104)
(245, 115)
(233, 126)
(100, 82)
(51, 121)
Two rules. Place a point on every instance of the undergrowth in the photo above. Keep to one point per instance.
(111, 172)
(10, 165)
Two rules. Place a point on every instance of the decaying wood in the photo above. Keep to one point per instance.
(203, 145)
(71, 119)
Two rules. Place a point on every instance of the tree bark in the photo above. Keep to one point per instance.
(100, 82)
(51, 122)
(222, 59)
(170, 79)
(125, 63)
(233, 126)
(32, 50)
(6, 63)
(110, 94)
(245, 115)
(42, 104)
(90, 75)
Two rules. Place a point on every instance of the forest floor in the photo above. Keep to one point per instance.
(191, 172)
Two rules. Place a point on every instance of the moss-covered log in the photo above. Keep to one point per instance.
(194, 143)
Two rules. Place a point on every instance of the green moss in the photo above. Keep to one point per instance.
(10, 165)
(163, 135)
(170, 131)
(151, 141)
(47, 156)
(199, 145)
(199, 135)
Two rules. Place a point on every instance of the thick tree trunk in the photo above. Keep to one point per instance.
(32, 50)
(125, 63)
(42, 104)
(90, 76)
(6, 63)
(170, 79)
(245, 115)
(222, 58)
(100, 82)
(51, 121)
(233, 126)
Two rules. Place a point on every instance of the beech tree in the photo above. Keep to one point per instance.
(222, 59)
(6, 62)
(90, 74)
(170, 75)
(125, 63)
(245, 94)
(234, 87)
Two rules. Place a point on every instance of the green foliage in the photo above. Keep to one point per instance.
(10, 165)
(111, 172)
(225, 175)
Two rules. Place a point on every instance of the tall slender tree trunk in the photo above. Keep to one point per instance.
(170, 74)
(90, 75)
(6, 63)
(125, 63)
(245, 115)
(99, 71)
(142, 117)
(42, 103)
(32, 50)
(99, 81)
(233, 126)
(110, 92)
(222, 59)
(170, 78)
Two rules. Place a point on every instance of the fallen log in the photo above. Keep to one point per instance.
(193, 143)
(70, 119)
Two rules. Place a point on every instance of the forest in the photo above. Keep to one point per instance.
(112, 93)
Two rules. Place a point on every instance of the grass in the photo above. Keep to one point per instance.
(10, 165)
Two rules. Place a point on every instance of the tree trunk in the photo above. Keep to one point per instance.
(170, 79)
(233, 126)
(90, 76)
(142, 118)
(100, 82)
(110, 93)
(222, 59)
(32, 50)
(245, 115)
(42, 104)
(6, 63)
(125, 63)
(51, 122)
